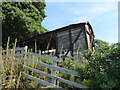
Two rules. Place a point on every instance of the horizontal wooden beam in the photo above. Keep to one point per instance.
(55, 77)
(17, 49)
(15, 55)
(13, 60)
(44, 57)
(44, 83)
(67, 71)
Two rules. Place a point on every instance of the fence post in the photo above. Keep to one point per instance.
(1, 65)
(35, 46)
(54, 81)
(26, 47)
(17, 52)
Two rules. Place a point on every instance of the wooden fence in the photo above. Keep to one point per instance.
(0, 69)
(22, 52)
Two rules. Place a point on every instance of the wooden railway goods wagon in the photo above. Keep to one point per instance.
(65, 41)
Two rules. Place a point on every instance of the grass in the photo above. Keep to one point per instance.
(12, 71)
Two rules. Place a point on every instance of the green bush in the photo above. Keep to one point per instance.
(103, 67)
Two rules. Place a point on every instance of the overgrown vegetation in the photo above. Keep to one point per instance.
(12, 71)
(97, 69)
(102, 68)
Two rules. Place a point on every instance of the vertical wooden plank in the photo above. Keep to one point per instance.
(35, 46)
(88, 35)
(70, 41)
(56, 54)
(56, 44)
(41, 52)
(26, 47)
(92, 37)
(85, 33)
(54, 81)
(49, 42)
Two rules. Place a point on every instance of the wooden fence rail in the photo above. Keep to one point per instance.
(55, 77)
(17, 49)
(53, 69)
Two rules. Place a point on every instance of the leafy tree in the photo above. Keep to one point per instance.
(99, 43)
(22, 20)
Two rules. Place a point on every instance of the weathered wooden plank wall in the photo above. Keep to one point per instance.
(71, 40)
